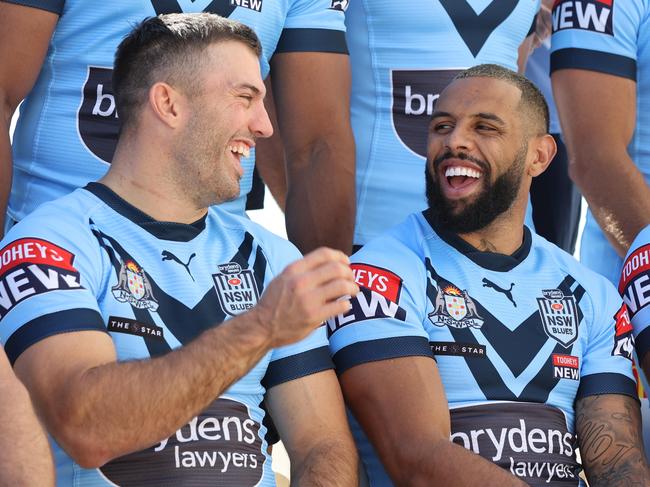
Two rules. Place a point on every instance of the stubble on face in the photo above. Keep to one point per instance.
(495, 198)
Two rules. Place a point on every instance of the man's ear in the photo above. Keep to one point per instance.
(542, 149)
(167, 104)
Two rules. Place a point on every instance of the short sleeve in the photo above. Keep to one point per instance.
(597, 35)
(635, 289)
(314, 26)
(386, 319)
(54, 6)
(49, 278)
(607, 359)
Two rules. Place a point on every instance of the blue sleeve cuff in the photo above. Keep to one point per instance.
(606, 383)
(52, 324)
(602, 62)
(54, 6)
(382, 349)
(312, 40)
(297, 366)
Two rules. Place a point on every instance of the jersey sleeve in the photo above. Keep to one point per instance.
(635, 289)
(308, 356)
(386, 317)
(607, 359)
(49, 278)
(54, 6)
(314, 26)
(597, 35)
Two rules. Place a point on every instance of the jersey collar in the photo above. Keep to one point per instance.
(488, 260)
(178, 232)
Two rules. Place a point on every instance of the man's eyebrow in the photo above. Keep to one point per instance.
(438, 114)
(248, 86)
(490, 116)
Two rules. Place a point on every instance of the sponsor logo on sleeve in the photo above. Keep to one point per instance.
(255, 5)
(414, 95)
(591, 15)
(529, 440)
(454, 307)
(623, 338)
(458, 349)
(133, 287)
(128, 326)
(236, 288)
(566, 367)
(379, 280)
(32, 266)
(221, 446)
(559, 315)
(366, 305)
(635, 280)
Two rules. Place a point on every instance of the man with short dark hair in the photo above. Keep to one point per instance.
(26, 457)
(67, 130)
(531, 348)
(147, 324)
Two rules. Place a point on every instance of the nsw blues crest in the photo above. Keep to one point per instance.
(236, 288)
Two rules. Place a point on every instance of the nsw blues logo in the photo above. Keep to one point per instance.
(236, 288)
(559, 315)
(134, 288)
(455, 308)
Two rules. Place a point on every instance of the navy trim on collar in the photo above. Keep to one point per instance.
(488, 260)
(178, 232)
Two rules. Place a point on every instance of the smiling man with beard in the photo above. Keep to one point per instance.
(462, 300)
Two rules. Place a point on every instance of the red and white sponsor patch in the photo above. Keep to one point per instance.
(34, 251)
(636, 263)
(379, 280)
(623, 323)
(570, 361)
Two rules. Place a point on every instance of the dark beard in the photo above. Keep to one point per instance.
(492, 201)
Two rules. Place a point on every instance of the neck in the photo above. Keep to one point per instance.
(504, 235)
(140, 174)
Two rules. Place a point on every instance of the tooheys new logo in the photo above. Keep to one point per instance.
(98, 122)
(221, 446)
(32, 266)
(529, 440)
(380, 291)
(635, 280)
(592, 15)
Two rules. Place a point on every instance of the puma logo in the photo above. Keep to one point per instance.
(507, 292)
(167, 255)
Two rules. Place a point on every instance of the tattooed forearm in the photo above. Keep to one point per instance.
(609, 434)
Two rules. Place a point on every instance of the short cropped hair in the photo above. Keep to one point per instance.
(533, 102)
(169, 48)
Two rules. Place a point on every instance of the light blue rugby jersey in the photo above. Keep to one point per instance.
(612, 37)
(402, 55)
(517, 340)
(635, 288)
(91, 261)
(65, 136)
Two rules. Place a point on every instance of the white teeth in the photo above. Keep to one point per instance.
(462, 171)
(240, 149)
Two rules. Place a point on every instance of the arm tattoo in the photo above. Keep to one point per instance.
(609, 435)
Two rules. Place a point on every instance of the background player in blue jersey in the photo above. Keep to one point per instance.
(26, 457)
(153, 324)
(534, 350)
(600, 66)
(65, 135)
